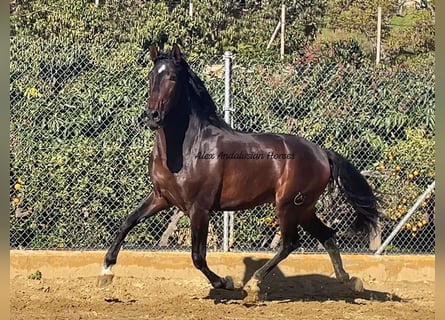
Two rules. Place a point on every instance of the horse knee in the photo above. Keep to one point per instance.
(331, 243)
(319, 230)
(124, 226)
(291, 241)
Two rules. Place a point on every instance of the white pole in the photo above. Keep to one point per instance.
(231, 228)
(406, 218)
(274, 34)
(191, 9)
(283, 17)
(379, 34)
(227, 80)
(97, 3)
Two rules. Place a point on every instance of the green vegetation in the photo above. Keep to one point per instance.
(35, 276)
(78, 85)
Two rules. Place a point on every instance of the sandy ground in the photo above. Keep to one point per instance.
(311, 296)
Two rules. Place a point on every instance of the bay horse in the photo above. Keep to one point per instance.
(191, 168)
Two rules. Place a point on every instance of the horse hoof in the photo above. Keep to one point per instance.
(356, 284)
(104, 280)
(252, 291)
(251, 297)
(228, 283)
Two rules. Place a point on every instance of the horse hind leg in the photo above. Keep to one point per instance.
(289, 242)
(326, 236)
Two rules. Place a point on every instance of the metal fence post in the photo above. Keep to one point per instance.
(379, 32)
(227, 83)
(406, 218)
(228, 216)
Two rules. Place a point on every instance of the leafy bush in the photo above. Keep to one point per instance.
(76, 143)
(78, 85)
(412, 36)
(409, 168)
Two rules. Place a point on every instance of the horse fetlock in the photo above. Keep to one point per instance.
(356, 284)
(106, 277)
(228, 283)
(224, 283)
(252, 286)
(343, 277)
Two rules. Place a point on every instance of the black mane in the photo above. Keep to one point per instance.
(206, 109)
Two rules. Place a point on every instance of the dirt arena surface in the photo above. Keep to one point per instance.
(171, 292)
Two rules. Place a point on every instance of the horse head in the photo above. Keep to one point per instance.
(165, 82)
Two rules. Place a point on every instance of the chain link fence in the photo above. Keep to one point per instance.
(380, 118)
(79, 149)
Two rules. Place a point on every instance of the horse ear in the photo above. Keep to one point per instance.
(176, 53)
(153, 52)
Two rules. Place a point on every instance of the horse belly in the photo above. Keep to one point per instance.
(242, 191)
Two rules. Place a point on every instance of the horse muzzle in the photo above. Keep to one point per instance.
(154, 119)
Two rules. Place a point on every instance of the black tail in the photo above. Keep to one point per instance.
(357, 191)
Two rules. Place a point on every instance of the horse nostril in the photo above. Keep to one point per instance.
(155, 115)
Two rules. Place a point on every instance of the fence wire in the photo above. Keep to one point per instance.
(79, 150)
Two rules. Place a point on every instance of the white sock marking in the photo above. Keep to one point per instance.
(106, 270)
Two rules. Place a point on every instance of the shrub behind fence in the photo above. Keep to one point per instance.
(79, 152)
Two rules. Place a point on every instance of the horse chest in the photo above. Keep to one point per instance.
(177, 188)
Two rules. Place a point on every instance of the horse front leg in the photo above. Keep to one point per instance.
(147, 208)
(199, 220)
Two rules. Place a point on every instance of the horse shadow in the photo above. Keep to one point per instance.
(310, 287)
